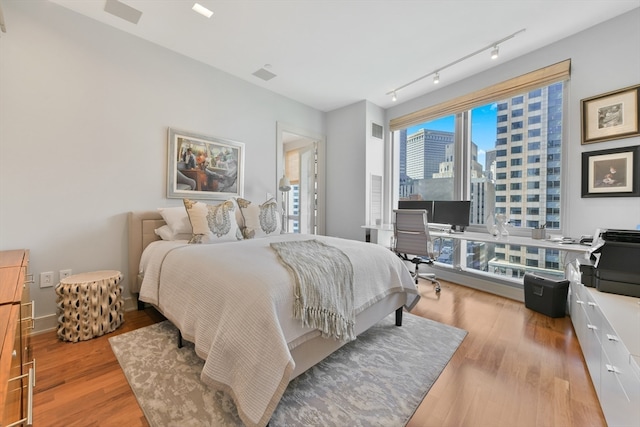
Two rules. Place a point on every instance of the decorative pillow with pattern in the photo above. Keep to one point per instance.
(213, 223)
(259, 220)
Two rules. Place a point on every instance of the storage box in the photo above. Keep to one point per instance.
(586, 272)
(546, 295)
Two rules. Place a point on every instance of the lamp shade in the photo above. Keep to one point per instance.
(284, 184)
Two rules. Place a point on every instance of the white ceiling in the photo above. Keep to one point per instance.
(332, 53)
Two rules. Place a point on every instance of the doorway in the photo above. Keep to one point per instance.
(300, 158)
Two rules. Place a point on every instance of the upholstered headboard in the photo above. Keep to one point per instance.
(141, 232)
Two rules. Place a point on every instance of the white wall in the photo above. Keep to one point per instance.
(603, 58)
(84, 111)
(346, 173)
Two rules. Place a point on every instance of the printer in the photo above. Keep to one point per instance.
(616, 266)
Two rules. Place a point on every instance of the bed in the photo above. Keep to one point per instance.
(240, 319)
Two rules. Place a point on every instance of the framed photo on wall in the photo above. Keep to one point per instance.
(204, 167)
(611, 115)
(611, 173)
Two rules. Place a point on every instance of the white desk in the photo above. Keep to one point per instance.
(513, 240)
(383, 233)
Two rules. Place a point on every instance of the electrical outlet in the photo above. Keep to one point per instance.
(65, 273)
(46, 279)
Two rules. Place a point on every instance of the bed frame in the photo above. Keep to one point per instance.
(141, 233)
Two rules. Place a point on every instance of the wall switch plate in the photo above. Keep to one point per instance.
(46, 279)
(65, 273)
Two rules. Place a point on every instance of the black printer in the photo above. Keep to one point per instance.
(618, 267)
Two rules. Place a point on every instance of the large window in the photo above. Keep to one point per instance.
(509, 162)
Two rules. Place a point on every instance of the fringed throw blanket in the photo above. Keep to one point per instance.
(323, 286)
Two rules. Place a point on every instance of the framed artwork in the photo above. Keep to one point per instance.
(611, 115)
(204, 167)
(611, 173)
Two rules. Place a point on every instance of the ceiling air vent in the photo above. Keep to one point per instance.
(264, 74)
(376, 130)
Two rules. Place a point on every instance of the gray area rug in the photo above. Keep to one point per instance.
(377, 380)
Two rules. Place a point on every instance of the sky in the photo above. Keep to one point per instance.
(483, 128)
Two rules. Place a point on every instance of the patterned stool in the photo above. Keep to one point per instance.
(89, 305)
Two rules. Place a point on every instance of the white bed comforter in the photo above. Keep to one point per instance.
(235, 302)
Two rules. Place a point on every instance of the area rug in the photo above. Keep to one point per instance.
(377, 380)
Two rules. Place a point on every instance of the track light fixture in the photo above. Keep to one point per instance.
(495, 52)
(436, 73)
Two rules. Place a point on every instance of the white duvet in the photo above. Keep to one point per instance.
(234, 300)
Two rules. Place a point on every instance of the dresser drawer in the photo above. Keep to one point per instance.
(12, 387)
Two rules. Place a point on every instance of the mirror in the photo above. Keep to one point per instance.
(300, 157)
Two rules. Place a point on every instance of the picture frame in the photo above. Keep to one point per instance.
(612, 115)
(204, 167)
(611, 173)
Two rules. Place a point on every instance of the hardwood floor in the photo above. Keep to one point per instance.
(516, 367)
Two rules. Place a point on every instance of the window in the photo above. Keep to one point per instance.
(513, 156)
(535, 106)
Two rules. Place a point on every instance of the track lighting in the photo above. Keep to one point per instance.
(495, 52)
(495, 48)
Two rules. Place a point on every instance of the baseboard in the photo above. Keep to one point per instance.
(496, 286)
(49, 322)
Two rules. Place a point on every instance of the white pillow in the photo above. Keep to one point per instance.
(213, 223)
(177, 219)
(260, 220)
(165, 233)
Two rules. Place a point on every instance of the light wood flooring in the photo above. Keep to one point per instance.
(516, 367)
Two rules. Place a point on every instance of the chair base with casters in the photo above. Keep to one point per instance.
(417, 275)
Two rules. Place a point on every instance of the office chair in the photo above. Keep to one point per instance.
(411, 235)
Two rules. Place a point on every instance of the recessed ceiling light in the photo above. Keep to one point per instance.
(202, 10)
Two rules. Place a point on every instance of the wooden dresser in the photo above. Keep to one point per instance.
(17, 365)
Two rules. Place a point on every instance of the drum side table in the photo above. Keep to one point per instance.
(89, 305)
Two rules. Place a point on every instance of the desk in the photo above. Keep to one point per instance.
(382, 235)
(513, 240)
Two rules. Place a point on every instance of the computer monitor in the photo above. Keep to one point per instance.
(418, 204)
(453, 212)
